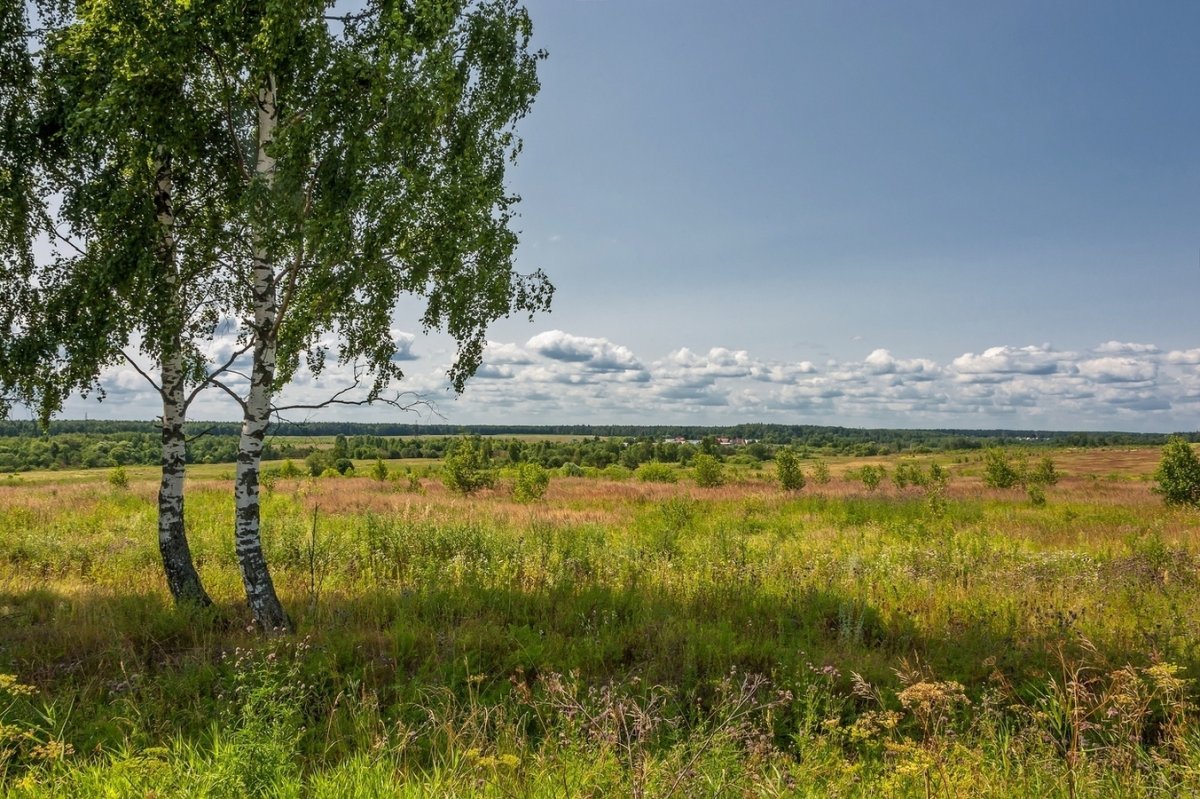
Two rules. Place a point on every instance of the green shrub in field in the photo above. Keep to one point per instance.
(330, 472)
(379, 471)
(465, 471)
(999, 471)
(118, 478)
(908, 473)
(871, 476)
(707, 471)
(1178, 474)
(289, 470)
(615, 471)
(656, 472)
(318, 461)
(1045, 473)
(532, 481)
(570, 469)
(820, 473)
(787, 470)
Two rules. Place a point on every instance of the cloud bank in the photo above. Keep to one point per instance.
(560, 377)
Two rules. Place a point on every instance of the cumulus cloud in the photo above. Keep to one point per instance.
(496, 352)
(882, 362)
(1005, 360)
(403, 344)
(1118, 370)
(1190, 357)
(1126, 348)
(597, 354)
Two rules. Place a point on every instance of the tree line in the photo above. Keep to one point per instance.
(96, 443)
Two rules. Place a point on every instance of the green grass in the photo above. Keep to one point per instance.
(616, 638)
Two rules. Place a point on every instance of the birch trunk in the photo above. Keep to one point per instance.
(260, 590)
(182, 579)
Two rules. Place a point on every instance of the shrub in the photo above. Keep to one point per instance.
(707, 471)
(908, 473)
(787, 470)
(345, 466)
(289, 470)
(379, 471)
(872, 476)
(531, 482)
(463, 471)
(1044, 474)
(656, 472)
(318, 461)
(1178, 474)
(571, 469)
(998, 469)
(330, 472)
(820, 473)
(615, 471)
(118, 478)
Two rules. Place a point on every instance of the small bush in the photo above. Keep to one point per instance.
(615, 471)
(1178, 474)
(118, 478)
(289, 470)
(999, 470)
(656, 472)
(331, 472)
(463, 471)
(532, 481)
(871, 476)
(787, 470)
(820, 473)
(707, 471)
(570, 469)
(1044, 474)
(379, 471)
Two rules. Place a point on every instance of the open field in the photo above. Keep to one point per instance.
(616, 638)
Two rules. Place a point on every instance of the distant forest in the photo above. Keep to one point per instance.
(100, 443)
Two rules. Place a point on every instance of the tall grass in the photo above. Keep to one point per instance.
(614, 638)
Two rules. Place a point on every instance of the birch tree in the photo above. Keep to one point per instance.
(380, 141)
(134, 268)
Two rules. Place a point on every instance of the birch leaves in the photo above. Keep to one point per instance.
(323, 167)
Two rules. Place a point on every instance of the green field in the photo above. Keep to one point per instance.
(616, 638)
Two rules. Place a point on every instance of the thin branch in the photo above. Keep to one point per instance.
(142, 372)
(225, 367)
(234, 140)
(201, 434)
(401, 400)
(348, 18)
(65, 240)
(236, 397)
(293, 270)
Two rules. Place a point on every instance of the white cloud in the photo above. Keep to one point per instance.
(1190, 357)
(1118, 370)
(505, 353)
(1126, 348)
(403, 343)
(597, 354)
(1031, 360)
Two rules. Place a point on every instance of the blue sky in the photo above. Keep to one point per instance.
(953, 214)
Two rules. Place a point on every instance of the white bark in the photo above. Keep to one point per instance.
(182, 578)
(256, 578)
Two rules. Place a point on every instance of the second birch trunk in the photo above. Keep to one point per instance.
(256, 577)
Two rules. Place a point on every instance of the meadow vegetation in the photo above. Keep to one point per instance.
(593, 635)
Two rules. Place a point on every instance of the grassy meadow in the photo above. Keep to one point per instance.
(615, 638)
